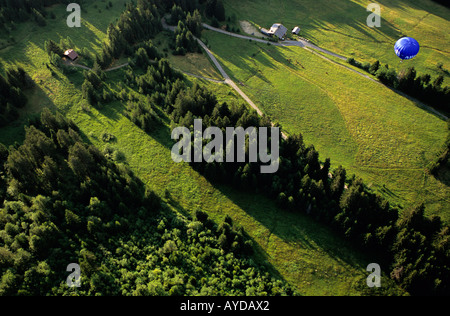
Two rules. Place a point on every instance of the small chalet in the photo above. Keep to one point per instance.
(71, 54)
(278, 30)
(296, 30)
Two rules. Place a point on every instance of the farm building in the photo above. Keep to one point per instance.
(71, 54)
(265, 31)
(296, 30)
(277, 30)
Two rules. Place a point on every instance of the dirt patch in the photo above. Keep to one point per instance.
(250, 29)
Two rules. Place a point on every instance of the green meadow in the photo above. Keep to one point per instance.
(340, 26)
(197, 64)
(306, 254)
(371, 130)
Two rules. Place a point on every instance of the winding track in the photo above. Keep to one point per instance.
(228, 79)
(219, 67)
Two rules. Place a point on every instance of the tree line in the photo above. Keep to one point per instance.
(209, 8)
(12, 96)
(212, 9)
(442, 2)
(13, 11)
(152, 92)
(139, 22)
(189, 26)
(408, 81)
(184, 41)
(142, 21)
(62, 201)
(94, 89)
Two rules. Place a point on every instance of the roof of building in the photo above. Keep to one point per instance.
(71, 54)
(296, 29)
(278, 26)
(278, 30)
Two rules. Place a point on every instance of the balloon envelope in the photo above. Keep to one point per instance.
(407, 48)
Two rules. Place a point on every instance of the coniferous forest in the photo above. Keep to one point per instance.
(12, 95)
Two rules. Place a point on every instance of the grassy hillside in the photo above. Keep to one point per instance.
(364, 126)
(310, 257)
(197, 64)
(340, 26)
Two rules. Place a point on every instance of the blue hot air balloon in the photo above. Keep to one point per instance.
(407, 48)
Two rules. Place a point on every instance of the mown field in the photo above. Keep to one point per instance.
(340, 26)
(310, 257)
(369, 129)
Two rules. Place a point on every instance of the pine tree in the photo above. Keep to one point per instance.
(374, 67)
(88, 92)
(176, 14)
(52, 47)
(142, 59)
(194, 23)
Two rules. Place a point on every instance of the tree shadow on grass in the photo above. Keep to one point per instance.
(243, 56)
(427, 108)
(113, 110)
(427, 6)
(81, 37)
(37, 101)
(345, 18)
(295, 228)
(443, 175)
(248, 68)
(277, 54)
(159, 131)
